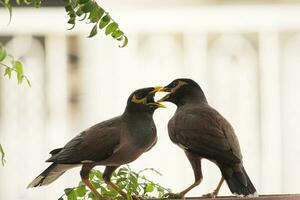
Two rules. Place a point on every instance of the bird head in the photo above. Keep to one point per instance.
(143, 100)
(181, 91)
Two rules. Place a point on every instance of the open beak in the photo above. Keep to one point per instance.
(158, 89)
(165, 89)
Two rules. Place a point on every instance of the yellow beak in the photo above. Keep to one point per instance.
(157, 89)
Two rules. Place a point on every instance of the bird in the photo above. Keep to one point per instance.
(110, 143)
(203, 133)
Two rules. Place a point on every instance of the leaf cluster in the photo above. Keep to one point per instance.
(7, 4)
(90, 11)
(133, 183)
(16, 66)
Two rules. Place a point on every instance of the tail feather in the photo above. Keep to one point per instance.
(53, 172)
(239, 183)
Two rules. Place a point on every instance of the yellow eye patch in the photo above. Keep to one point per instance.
(138, 101)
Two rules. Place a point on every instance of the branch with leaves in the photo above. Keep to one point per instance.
(133, 183)
(16, 66)
(90, 10)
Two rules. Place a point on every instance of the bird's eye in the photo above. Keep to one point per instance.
(138, 96)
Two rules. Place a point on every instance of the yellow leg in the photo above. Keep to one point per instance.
(92, 188)
(214, 194)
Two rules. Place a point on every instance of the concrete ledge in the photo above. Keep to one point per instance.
(261, 197)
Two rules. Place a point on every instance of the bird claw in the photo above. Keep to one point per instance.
(212, 195)
(173, 196)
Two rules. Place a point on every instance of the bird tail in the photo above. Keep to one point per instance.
(53, 172)
(239, 183)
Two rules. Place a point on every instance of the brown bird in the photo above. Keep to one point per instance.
(111, 143)
(202, 132)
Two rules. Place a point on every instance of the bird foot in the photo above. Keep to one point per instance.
(212, 195)
(135, 197)
(173, 196)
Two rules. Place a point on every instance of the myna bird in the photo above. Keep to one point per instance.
(202, 132)
(111, 143)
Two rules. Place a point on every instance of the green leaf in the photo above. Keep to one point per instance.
(88, 7)
(72, 14)
(99, 175)
(28, 82)
(8, 6)
(81, 191)
(83, 1)
(117, 34)
(27, 1)
(149, 188)
(84, 17)
(93, 31)
(3, 54)
(72, 195)
(111, 28)
(95, 14)
(18, 66)
(104, 21)
(60, 198)
(2, 155)
(37, 3)
(68, 190)
(8, 72)
(68, 8)
(79, 12)
(71, 21)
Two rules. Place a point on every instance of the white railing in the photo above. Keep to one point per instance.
(246, 58)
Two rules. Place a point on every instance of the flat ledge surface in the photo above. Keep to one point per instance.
(261, 197)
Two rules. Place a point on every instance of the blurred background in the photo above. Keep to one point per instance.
(245, 54)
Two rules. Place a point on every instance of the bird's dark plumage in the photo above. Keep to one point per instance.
(202, 132)
(111, 143)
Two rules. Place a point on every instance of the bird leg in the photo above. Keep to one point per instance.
(92, 188)
(196, 165)
(84, 173)
(106, 177)
(216, 191)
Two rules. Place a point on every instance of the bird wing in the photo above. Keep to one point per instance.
(94, 144)
(205, 132)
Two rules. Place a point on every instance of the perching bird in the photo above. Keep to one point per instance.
(111, 143)
(202, 132)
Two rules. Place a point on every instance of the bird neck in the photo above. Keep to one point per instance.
(134, 114)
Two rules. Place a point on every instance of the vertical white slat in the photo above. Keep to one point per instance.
(97, 59)
(57, 132)
(271, 144)
(232, 90)
(195, 58)
(127, 72)
(291, 114)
